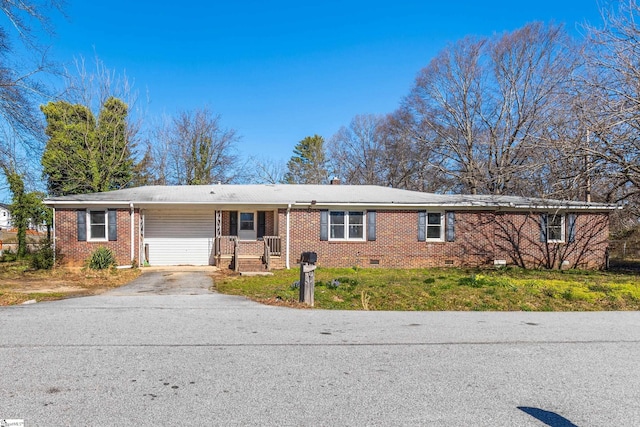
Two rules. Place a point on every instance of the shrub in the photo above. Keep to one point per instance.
(347, 281)
(333, 284)
(8, 255)
(42, 258)
(473, 281)
(101, 259)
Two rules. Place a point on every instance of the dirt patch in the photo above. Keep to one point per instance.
(282, 302)
(18, 284)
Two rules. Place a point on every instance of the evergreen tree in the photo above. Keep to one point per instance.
(82, 156)
(308, 165)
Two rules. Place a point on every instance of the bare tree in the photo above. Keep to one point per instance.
(488, 103)
(154, 167)
(267, 170)
(22, 14)
(91, 86)
(611, 110)
(198, 150)
(357, 151)
(20, 89)
(409, 160)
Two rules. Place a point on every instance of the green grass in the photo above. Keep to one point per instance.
(447, 289)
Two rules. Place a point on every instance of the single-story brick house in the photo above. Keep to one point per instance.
(268, 226)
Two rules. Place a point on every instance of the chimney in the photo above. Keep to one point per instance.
(335, 181)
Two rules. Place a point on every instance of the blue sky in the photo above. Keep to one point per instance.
(281, 70)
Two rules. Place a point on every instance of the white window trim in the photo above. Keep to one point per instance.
(562, 228)
(242, 234)
(90, 238)
(442, 218)
(253, 220)
(346, 227)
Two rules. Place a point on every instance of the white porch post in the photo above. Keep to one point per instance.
(132, 232)
(218, 223)
(287, 237)
(218, 232)
(53, 226)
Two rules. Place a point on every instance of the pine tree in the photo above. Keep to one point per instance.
(308, 165)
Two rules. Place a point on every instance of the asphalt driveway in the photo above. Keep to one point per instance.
(168, 281)
(188, 356)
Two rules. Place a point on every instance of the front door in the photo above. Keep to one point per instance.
(247, 228)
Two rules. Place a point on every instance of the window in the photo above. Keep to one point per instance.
(346, 225)
(434, 226)
(555, 228)
(431, 226)
(97, 225)
(246, 221)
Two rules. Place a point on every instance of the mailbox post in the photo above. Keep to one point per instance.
(307, 277)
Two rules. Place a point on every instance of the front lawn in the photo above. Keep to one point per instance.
(20, 283)
(445, 289)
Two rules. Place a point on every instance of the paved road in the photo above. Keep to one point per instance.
(141, 358)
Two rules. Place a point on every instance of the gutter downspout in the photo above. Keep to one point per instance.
(53, 225)
(287, 241)
(132, 220)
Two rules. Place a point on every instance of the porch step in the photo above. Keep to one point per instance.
(251, 265)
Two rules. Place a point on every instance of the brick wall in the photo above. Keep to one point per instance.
(480, 238)
(517, 240)
(73, 252)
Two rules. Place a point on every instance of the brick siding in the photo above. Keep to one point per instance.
(70, 251)
(480, 238)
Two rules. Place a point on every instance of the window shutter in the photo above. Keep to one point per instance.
(113, 225)
(571, 227)
(324, 225)
(262, 223)
(543, 228)
(233, 223)
(450, 226)
(422, 226)
(82, 225)
(371, 225)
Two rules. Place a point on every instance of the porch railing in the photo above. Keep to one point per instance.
(230, 246)
(225, 245)
(274, 244)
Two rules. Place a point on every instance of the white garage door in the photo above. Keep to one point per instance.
(179, 237)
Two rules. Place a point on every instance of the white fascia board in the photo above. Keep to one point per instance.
(81, 204)
(565, 208)
(330, 205)
(474, 207)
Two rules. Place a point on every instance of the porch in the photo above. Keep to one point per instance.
(261, 254)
